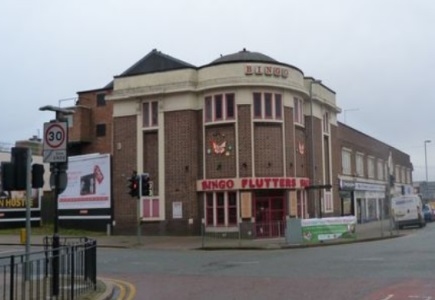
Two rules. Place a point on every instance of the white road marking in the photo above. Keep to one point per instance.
(388, 297)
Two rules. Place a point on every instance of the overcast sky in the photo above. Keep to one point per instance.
(377, 55)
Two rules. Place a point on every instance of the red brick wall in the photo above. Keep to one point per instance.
(289, 141)
(123, 163)
(86, 123)
(268, 151)
(245, 144)
(300, 164)
(220, 165)
(182, 164)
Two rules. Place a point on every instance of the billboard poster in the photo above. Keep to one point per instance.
(319, 230)
(16, 201)
(89, 183)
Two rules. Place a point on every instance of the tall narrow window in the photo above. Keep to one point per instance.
(208, 109)
(346, 161)
(326, 122)
(154, 113)
(257, 105)
(218, 107)
(360, 164)
(232, 208)
(268, 105)
(220, 209)
(209, 209)
(278, 106)
(146, 114)
(230, 105)
(150, 114)
(298, 111)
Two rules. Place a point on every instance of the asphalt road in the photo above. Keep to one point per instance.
(393, 269)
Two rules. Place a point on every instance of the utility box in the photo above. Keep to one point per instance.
(293, 233)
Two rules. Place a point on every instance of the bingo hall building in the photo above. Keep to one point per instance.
(237, 145)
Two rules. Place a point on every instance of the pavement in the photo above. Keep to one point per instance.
(371, 231)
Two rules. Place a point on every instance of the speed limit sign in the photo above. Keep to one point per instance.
(55, 142)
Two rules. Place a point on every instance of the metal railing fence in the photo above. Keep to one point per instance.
(32, 276)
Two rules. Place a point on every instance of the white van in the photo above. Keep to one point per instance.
(407, 210)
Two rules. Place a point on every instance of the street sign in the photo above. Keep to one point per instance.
(55, 142)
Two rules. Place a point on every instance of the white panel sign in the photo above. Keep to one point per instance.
(55, 142)
(88, 183)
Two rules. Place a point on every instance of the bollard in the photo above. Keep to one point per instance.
(23, 235)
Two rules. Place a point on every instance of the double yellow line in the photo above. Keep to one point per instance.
(127, 291)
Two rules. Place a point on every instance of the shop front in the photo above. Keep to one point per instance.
(255, 207)
(365, 201)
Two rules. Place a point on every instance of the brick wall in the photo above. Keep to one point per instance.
(245, 144)
(123, 163)
(268, 149)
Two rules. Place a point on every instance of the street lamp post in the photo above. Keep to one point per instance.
(425, 156)
(313, 160)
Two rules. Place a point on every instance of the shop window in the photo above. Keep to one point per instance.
(221, 208)
(298, 111)
(267, 106)
(150, 114)
(220, 107)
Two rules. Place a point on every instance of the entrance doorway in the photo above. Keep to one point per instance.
(269, 216)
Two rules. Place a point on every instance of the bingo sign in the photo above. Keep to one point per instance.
(55, 142)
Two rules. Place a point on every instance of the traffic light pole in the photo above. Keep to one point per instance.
(55, 243)
(139, 230)
(28, 214)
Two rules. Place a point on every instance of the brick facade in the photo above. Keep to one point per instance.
(210, 170)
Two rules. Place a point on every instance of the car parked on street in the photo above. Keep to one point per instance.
(428, 213)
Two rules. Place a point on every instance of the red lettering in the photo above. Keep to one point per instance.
(268, 71)
(267, 180)
(258, 70)
(244, 183)
(230, 184)
(277, 72)
(282, 182)
(275, 182)
(205, 185)
(284, 73)
(259, 183)
(251, 183)
(217, 184)
(249, 70)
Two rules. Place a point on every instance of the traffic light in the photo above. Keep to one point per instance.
(146, 185)
(37, 176)
(8, 176)
(133, 186)
(19, 162)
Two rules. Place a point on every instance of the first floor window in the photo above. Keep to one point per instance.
(327, 202)
(221, 208)
(150, 114)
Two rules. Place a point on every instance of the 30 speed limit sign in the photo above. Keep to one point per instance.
(55, 142)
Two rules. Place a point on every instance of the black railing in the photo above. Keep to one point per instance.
(63, 273)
